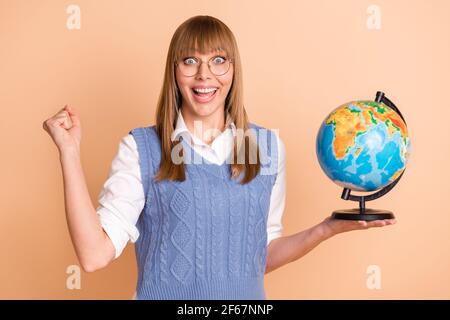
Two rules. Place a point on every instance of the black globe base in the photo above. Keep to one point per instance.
(366, 215)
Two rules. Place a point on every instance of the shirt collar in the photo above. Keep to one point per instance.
(182, 130)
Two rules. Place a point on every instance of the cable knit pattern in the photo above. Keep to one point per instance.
(200, 254)
(250, 231)
(181, 236)
(261, 233)
(237, 206)
(205, 237)
(219, 197)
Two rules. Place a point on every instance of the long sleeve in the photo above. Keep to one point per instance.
(278, 196)
(122, 198)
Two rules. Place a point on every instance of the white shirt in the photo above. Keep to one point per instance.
(122, 198)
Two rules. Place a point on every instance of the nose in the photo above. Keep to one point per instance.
(203, 71)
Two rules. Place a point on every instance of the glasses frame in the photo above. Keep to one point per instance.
(208, 63)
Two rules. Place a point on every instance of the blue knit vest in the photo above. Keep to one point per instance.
(205, 237)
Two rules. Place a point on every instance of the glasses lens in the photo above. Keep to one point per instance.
(189, 66)
(217, 65)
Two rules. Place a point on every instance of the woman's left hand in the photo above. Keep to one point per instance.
(336, 226)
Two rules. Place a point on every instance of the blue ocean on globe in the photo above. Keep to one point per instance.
(363, 145)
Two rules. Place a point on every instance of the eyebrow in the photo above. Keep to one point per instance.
(183, 57)
(193, 52)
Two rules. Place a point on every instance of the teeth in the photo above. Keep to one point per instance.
(205, 90)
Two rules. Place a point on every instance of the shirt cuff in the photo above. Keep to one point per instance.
(118, 236)
(273, 235)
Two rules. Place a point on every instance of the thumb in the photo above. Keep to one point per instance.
(73, 115)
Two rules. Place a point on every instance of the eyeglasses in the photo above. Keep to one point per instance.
(218, 65)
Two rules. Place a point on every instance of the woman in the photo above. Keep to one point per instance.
(202, 206)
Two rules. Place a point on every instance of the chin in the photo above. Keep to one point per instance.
(204, 110)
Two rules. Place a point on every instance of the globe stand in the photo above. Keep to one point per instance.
(364, 213)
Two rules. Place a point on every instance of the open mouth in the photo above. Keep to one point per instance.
(204, 94)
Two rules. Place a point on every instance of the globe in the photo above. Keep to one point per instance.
(363, 145)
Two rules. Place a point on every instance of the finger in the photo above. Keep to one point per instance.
(63, 120)
(368, 224)
(381, 223)
(73, 114)
(377, 223)
(362, 224)
(390, 222)
(62, 113)
(67, 122)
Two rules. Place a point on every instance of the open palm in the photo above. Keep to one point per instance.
(338, 226)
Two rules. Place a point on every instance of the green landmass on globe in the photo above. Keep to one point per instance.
(363, 145)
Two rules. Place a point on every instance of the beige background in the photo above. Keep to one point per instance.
(301, 59)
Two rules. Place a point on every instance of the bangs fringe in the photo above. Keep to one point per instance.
(205, 36)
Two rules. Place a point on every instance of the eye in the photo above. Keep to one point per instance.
(189, 61)
(218, 60)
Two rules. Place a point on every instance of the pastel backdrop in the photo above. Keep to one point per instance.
(301, 59)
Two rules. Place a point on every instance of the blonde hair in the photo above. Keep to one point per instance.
(203, 34)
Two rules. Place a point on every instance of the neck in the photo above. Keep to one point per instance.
(205, 128)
